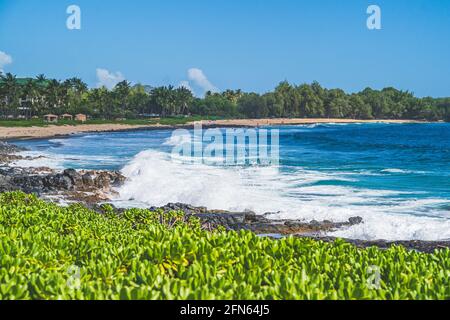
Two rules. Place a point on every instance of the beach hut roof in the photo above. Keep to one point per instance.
(66, 115)
(50, 115)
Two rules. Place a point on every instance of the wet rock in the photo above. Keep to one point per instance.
(259, 224)
(421, 246)
(5, 184)
(75, 177)
(8, 158)
(186, 208)
(355, 220)
(88, 180)
(57, 182)
(7, 148)
(47, 181)
(89, 199)
(29, 184)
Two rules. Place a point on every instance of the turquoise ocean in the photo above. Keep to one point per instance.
(395, 176)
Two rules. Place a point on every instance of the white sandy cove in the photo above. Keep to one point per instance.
(51, 131)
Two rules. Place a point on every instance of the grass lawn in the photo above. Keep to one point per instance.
(164, 121)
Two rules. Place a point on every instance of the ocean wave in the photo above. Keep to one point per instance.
(178, 138)
(38, 160)
(155, 178)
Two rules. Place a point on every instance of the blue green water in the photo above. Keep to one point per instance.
(396, 176)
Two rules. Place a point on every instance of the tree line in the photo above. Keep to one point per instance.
(39, 96)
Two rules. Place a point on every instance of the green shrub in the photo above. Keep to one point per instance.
(53, 252)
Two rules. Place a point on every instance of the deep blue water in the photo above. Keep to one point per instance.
(396, 176)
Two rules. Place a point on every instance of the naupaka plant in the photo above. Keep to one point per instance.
(53, 252)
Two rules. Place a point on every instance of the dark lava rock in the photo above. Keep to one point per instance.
(88, 180)
(75, 177)
(421, 246)
(259, 224)
(57, 182)
(30, 180)
(7, 148)
(355, 220)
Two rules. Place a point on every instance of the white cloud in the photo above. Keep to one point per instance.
(197, 77)
(5, 59)
(108, 79)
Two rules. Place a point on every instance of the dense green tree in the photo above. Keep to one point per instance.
(10, 91)
(311, 103)
(275, 104)
(183, 100)
(41, 95)
(252, 105)
(290, 99)
(359, 109)
(214, 105)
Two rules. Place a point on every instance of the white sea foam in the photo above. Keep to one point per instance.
(154, 178)
(178, 139)
(38, 160)
(402, 171)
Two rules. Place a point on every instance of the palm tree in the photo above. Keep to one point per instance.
(164, 99)
(10, 92)
(184, 99)
(233, 95)
(53, 95)
(30, 92)
(41, 78)
(121, 94)
(79, 85)
(41, 99)
(73, 89)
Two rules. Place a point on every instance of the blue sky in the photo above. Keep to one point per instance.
(248, 44)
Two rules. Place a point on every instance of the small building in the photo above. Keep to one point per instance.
(67, 116)
(81, 117)
(51, 118)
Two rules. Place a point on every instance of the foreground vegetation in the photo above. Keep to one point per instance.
(35, 97)
(51, 252)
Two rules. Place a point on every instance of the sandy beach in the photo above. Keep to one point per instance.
(8, 133)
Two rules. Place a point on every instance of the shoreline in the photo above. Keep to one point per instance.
(91, 188)
(31, 133)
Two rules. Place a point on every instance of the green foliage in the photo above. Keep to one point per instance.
(52, 252)
(35, 97)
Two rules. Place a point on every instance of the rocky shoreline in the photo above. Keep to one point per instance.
(95, 187)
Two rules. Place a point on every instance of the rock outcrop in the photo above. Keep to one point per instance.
(68, 182)
(260, 224)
